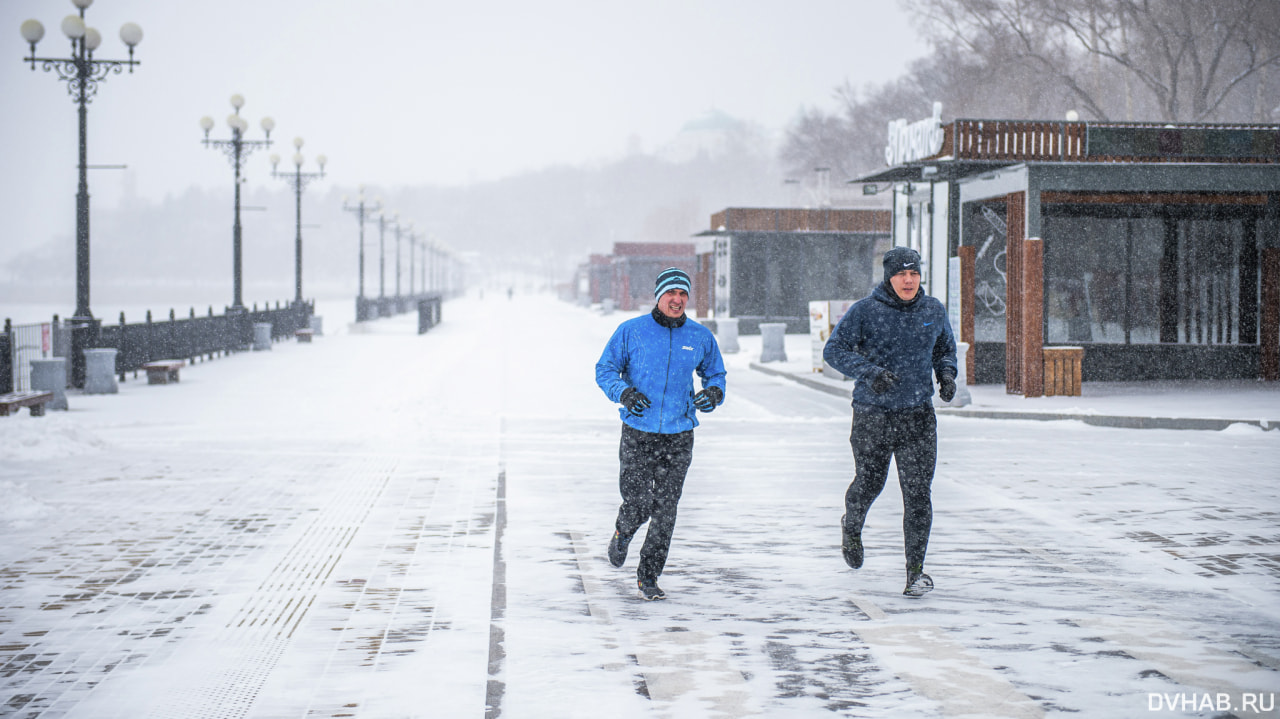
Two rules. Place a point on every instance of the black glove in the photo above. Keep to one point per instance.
(708, 398)
(635, 401)
(884, 382)
(946, 387)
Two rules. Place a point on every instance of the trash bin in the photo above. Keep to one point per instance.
(100, 371)
(773, 339)
(1062, 370)
(317, 325)
(50, 375)
(261, 336)
(426, 316)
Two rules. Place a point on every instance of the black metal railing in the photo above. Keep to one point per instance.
(193, 338)
(371, 308)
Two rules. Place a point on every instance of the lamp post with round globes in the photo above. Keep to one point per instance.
(362, 211)
(421, 268)
(413, 245)
(299, 180)
(237, 150)
(399, 229)
(383, 220)
(82, 73)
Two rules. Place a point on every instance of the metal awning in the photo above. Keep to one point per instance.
(935, 170)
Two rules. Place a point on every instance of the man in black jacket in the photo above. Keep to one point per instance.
(892, 343)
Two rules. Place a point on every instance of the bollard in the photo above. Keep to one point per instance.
(773, 337)
(100, 371)
(50, 375)
(962, 398)
(317, 325)
(426, 316)
(261, 336)
(606, 306)
(727, 334)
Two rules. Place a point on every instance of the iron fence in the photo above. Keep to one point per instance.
(189, 338)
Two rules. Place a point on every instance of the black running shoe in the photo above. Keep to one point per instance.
(850, 546)
(650, 591)
(618, 549)
(918, 583)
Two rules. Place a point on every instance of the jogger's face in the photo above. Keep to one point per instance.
(672, 303)
(906, 284)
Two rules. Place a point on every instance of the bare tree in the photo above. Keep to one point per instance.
(1190, 55)
(851, 138)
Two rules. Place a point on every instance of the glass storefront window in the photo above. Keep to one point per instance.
(1102, 279)
(1209, 281)
(1128, 273)
(985, 229)
(1142, 274)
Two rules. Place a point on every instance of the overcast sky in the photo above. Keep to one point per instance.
(401, 92)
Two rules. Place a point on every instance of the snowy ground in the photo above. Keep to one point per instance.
(382, 524)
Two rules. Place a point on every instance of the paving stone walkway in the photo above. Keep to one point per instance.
(385, 524)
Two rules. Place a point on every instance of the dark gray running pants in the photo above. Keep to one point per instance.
(651, 479)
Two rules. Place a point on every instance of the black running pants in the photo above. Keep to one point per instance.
(651, 479)
(910, 436)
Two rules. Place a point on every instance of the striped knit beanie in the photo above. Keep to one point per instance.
(672, 278)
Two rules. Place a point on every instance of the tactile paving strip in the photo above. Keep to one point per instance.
(258, 633)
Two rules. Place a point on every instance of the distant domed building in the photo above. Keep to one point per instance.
(706, 135)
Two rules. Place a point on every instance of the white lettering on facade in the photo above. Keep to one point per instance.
(914, 140)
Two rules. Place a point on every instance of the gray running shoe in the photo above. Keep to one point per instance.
(650, 591)
(850, 546)
(918, 583)
(618, 549)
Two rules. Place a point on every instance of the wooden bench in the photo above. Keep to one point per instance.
(303, 335)
(33, 399)
(163, 371)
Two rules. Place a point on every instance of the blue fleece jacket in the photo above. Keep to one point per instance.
(660, 362)
(880, 332)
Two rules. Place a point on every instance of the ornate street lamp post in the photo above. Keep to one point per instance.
(413, 245)
(82, 73)
(422, 268)
(362, 212)
(299, 180)
(399, 228)
(383, 220)
(237, 150)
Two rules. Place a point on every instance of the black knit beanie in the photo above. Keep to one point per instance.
(899, 259)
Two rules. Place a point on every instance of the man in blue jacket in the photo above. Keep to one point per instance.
(648, 366)
(891, 343)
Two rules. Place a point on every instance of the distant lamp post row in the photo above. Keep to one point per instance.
(237, 149)
(429, 266)
(82, 73)
(299, 180)
(364, 212)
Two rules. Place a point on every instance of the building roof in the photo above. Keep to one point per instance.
(652, 249)
(976, 146)
(790, 219)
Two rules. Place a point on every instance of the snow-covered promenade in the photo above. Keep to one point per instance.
(387, 524)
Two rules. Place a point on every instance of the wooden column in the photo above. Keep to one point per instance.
(1015, 221)
(968, 262)
(1032, 354)
(1269, 329)
(702, 281)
